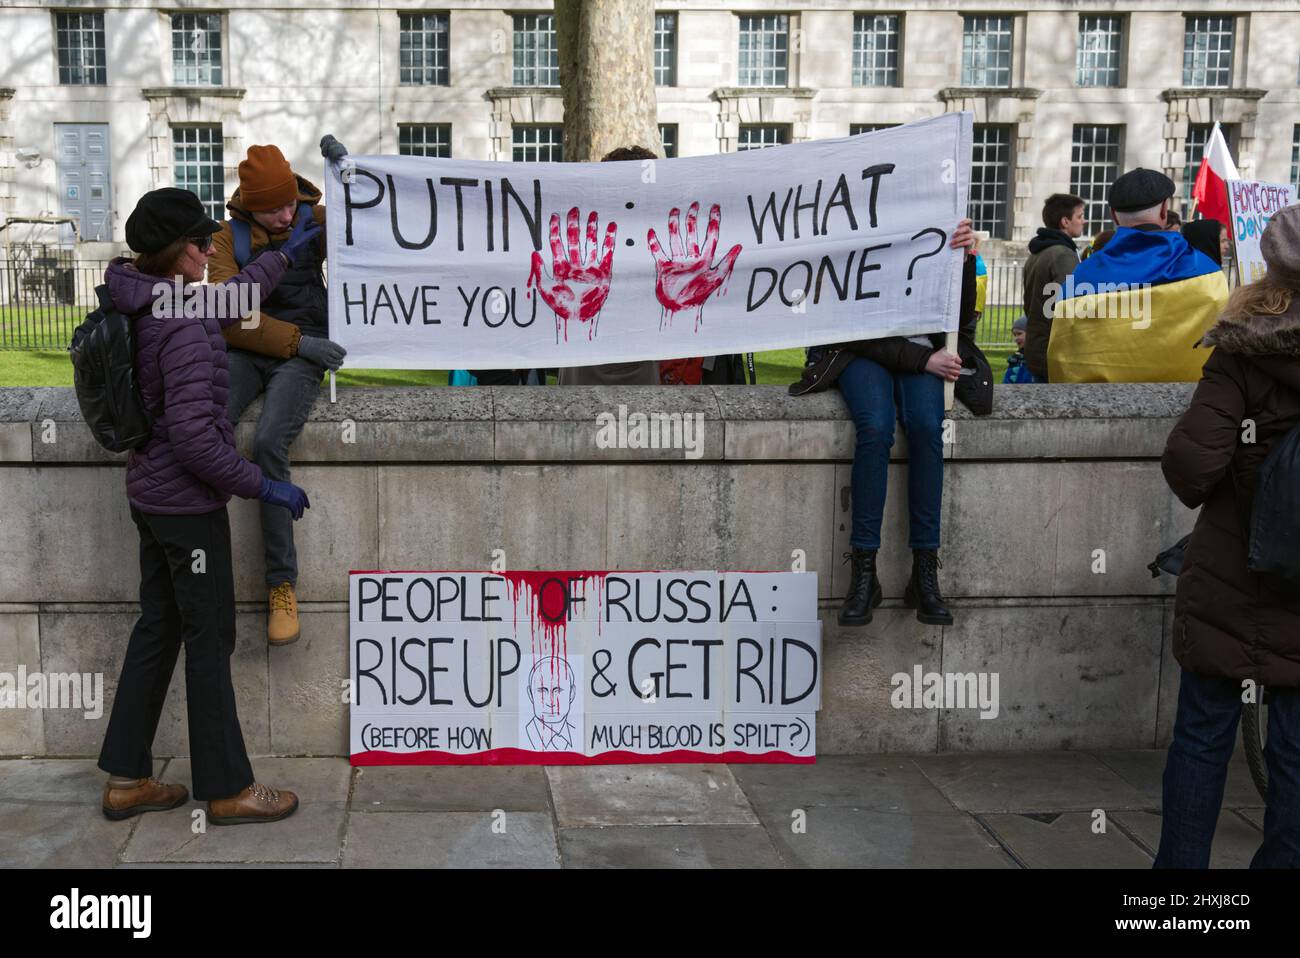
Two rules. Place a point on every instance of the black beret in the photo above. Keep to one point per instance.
(164, 216)
(1139, 189)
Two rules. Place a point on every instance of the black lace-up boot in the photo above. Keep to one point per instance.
(922, 591)
(864, 588)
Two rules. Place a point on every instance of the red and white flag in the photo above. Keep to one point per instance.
(1210, 190)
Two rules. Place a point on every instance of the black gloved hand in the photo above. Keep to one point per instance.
(332, 149)
(304, 231)
(321, 351)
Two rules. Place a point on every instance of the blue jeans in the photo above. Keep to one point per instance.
(1205, 731)
(876, 397)
(291, 386)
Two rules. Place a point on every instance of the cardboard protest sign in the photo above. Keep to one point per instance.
(1252, 205)
(570, 668)
(445, 263)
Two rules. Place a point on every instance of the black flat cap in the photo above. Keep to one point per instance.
(1139, 189)
(163, 216)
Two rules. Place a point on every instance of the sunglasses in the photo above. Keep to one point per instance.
(204, 243)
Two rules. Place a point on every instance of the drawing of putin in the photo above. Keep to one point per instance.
(551, 688)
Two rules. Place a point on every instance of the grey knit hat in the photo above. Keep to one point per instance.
(1280, 247)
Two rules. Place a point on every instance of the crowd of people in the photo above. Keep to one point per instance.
(1229, 625)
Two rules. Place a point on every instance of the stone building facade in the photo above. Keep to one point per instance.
(101, 102)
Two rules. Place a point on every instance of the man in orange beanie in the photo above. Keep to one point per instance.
(282, 352)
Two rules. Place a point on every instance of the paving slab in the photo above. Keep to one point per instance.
(1066, 841)
(50, 815)
(1144, 769)
(1029, 782)
(450, 840)
(1235, 840)
(450, 788)
(848, 837)
(668, 846)
(880, 783)
(648, 795)
(314, 833)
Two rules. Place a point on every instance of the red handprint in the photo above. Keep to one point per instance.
(578, 285)
(687, 278)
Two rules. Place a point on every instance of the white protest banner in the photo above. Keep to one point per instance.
(463, 264)
(573, 668)
(1252, 205)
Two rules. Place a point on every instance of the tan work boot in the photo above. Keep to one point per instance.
(257, 803)
(146, 795)
(282, 615)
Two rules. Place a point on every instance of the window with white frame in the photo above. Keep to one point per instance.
(668, 134)
(875, 49)
(80, 40)
(1094, 164)
(665, 49)
(758, 136)
(537, 57)
(1295, 154)
(1207, 51)
(1098, 56)
(764, 50)
(424, 45)
(537, 143)
(198, 167)
(424, 139)
(196, 49)
(990, 179)
(986, 51)
(856, 128)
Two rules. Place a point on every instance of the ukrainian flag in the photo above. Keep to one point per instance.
(1133, 311)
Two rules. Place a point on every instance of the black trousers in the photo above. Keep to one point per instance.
(186, 598)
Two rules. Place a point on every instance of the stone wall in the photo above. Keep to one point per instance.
(438, 478)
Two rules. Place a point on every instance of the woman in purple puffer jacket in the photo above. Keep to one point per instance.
(178, 485)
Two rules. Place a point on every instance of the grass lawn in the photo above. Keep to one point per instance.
(32, 368)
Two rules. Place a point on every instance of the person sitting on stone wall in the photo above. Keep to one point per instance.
(883, 380)
(285, 351)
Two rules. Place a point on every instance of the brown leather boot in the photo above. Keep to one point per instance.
(282, 615)
(146, 795)
(257, 803)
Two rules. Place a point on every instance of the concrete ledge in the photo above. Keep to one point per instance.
(527, 424)
(1053, 505)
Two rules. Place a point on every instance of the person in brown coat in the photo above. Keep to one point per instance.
(1230, 627)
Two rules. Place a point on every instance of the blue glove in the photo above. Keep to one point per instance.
(284, 494)
(304, 231)
(332, 149)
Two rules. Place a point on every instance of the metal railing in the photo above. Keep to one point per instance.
(43, 298)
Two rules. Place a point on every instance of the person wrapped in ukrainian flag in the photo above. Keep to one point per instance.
(1136, 309)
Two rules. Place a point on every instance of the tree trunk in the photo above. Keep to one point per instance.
(606, 52)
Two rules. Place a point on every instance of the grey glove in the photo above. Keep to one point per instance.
(332, 149)
(321, 351)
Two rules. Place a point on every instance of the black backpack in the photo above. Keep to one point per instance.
(103, 373)
(1273, 546)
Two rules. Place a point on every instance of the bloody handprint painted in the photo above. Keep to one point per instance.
(687, 278)
(578, 284)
